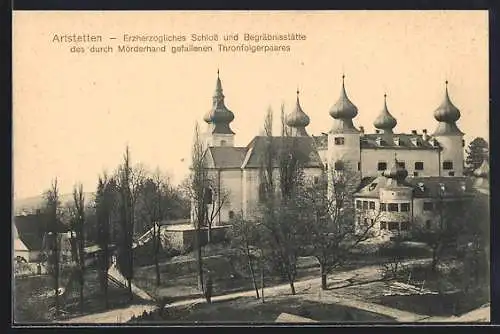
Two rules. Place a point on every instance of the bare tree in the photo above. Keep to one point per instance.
(130, 184)
(155, 206)
(281, 226)
(78, 237)
(214, 206)
(243, 236)
(333, 232)
(105, 203)
(441, 234)
(199, 192)
(52, 237)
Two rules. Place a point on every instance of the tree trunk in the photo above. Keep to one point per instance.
(434, 259)
(81, 297)
(209, 232)
(323, 276)
(290, 280)
(56, 274)
(199, 259)
(157, 265)
(130, 293)
(253, 274)
(262, 282)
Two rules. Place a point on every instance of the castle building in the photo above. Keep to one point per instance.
(431, 159)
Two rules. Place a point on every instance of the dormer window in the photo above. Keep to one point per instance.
(415, 141)
(339, 140)
(379, 141)
(434, 142)
(397, 142)
(372, 186)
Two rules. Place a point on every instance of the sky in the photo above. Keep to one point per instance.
(74, 114)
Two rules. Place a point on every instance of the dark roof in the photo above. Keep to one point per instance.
(227, 157)
(31, 229)
(389, 142)
(423, 187)
(304, 146)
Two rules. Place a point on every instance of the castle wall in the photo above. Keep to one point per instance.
(371, 157)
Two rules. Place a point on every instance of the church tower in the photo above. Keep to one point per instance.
(449, 137)
(219, 132)
(344, 151)
(297, 120)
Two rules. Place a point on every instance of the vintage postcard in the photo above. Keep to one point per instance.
(243, 167)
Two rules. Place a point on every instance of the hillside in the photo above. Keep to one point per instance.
(36, 202)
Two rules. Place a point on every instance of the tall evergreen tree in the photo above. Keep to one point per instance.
(477, 152)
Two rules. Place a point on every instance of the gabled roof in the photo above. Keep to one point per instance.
(303, 146)
(226, 157)
(423, 187)
(405, 142)
(31, 229)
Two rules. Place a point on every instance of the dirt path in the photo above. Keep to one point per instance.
(356, 276)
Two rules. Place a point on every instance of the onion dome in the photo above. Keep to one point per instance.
(343, 108)
(483, 171)
(297, 119)
(385, 121)
(219, 116)
(397, 172)
(343, 111)
(447, 114)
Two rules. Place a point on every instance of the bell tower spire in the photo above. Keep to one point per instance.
(218, 118)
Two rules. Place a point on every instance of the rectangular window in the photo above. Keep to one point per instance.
(358, 204)
(419, 165)
(365, 205)
(381, 166)
(392, 207)
(401, 164)
(359, 166)
(339, 140)
(415, 173)
(447, 165)
(382, 207)
(451, 173)
(372, 205)
(405, 207)
(316, 180)
(393, 226)
(404, 226)
(383, 225)
(428, 206)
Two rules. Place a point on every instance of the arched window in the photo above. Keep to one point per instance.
(208, 196)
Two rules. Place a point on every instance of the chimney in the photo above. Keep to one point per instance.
(425, 136)
(362, 130)
(413, 132)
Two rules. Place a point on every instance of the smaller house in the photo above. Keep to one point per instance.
(30, 238)
(394, 202)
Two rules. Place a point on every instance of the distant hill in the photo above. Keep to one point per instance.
(30, 204)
